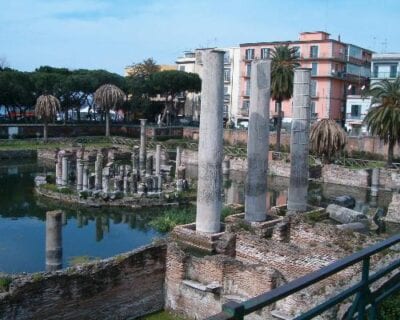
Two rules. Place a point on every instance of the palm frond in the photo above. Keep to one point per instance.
(327, 138)
(109, 96)
(46, 107)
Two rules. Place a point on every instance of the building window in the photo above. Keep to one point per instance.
(249, 54)
(248, 70)
(312, 109)
(393, 71)
(247, 93)
(246, 104)
(227, 75)
(297, 51)
(227, 58)
(355, 111)
(181, 68)
(265, 53)
(314, 52)
(313, 88)
(376, 69)
(225, 89)
(314, 68)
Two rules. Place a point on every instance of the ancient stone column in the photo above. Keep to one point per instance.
(98, 170)
(79, 174)
(177, 161)
(64, 169)
(135, 160)
(298, 187)
(142, 151)
(375, 182)
(258, 142)
(85, 178)
(158, 159)
(59, 168)
(225, 166)
(106, 179)
(149, 166)
(209, 188)
(53, 240)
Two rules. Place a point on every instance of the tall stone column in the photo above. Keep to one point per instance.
(375, 182)
(135, 160)
(64, 170)
(58, 172)
(142, 151)
(258, 142)
(53, 240)
(209, 187)
(79, 174)
(85, 177)
(298, 187)
(98, 170)
(177, 161)
(149, 166)
(158, 160)
(106, 179)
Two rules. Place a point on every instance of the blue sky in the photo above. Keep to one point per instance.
(112, 34)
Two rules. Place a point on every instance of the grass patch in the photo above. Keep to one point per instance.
(5, 283)
(173, 217)
(36, 277)
(78, 260)
(162, 315)
(52, 187)
(389, 309)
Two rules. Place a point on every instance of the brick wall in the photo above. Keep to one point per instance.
(127, 286)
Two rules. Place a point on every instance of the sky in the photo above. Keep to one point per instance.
(111, 34)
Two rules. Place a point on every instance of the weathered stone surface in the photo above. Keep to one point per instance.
(297, 195)
(257, 146)
(393, 213)
(125, 287)
(39, 180)
(345, 201)
(354, 226)
(345, 215)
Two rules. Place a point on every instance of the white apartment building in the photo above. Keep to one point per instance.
(191, 62)
(383, 66)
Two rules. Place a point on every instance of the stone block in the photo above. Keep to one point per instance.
(344, 215)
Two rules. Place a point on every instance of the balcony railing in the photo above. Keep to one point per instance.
(385, 75)
(365, 301)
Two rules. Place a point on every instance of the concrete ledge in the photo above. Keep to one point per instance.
(212, 287)
(263, 229)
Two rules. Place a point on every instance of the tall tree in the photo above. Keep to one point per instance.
(284, 61)
(383, 118)
(46, 110)
(327, 138)
(143, 69)
(107, 97)
(171, 83)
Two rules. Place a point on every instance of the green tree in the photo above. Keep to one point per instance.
(383, 118)
(284, 61)
(171, 83)
(143, 69)
(46, 109)
(107, 97)
(327, 139)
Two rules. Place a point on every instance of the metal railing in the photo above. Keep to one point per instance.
(365, 301)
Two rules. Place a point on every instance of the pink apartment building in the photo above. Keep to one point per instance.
(337, 69)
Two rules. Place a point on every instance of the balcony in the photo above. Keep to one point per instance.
(244, 112)
(227, 97)
(385, 75)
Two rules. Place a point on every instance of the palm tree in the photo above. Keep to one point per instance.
(107, 97)
(327, 138)
(46, 109)
(284, 61)
(383, 118)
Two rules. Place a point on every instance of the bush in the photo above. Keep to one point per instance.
(50, 187)
(173, 217)
(5, 283)
(390, 308)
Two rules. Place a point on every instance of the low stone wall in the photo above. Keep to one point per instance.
(127, 286)
(17, 154)
(332, 173)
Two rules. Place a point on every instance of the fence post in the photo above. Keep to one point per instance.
(234, 309)
(364, 293)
